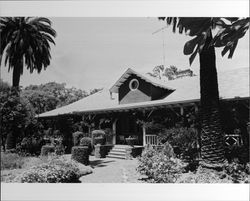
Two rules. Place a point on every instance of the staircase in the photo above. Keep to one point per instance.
(118, 151)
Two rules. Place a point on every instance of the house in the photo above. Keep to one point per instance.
(136, 96)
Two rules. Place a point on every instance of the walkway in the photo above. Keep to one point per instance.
(110, 170)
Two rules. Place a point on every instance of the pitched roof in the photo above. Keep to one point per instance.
(145, 77)
(232, 84)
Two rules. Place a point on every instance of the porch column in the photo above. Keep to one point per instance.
(144, 135)
(114, 131)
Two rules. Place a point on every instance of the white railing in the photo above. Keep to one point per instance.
(151, 139)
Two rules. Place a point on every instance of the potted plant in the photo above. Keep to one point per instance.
(99, 137)
(131, 141)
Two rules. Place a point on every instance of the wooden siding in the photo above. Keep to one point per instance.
(143, 93)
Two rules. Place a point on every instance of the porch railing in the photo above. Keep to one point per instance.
(151, 139)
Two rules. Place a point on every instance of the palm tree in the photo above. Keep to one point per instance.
(25, 41)
(229, 31)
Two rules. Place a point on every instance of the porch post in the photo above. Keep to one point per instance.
(144, 134)
(114, 131)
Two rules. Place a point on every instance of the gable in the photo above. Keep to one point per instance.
(142, 93)
(145, 91)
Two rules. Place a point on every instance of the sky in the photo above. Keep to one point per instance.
(94, 52)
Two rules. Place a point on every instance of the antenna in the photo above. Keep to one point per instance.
(163, 43)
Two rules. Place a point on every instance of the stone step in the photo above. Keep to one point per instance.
(118, 150)
(117, 153)
(115, 156)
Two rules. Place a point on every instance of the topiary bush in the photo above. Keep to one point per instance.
(86, 142)
(77, 136)
(47, 149)
(160, 166)
(99, 140)
(80, 154)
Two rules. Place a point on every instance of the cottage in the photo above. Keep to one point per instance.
(137, 97)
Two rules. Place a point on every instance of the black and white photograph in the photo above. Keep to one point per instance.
(144, 100)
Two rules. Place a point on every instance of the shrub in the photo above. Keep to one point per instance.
(55, 171)
(30, 146)
(86, 141)
(184, 140)
(240, 153)
(160, 166)
(11, 161)
(238, 172)
(77, 136)
(98, 133)
(99, 140)
(46, 149)
(204, 175)
(80, 154)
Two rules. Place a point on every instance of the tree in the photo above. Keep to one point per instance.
(16, 115)
(170, 73)
(228, 32)
(25, 41)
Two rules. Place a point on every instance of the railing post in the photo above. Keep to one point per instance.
(144, 135)
(114, 131)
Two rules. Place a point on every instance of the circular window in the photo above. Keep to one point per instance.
(134, 84)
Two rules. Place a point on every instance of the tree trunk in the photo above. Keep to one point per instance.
(16, 75)
(212, 139)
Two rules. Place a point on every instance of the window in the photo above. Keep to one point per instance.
(134, 84)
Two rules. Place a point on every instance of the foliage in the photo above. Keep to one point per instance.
(56, 170)
(238, 172)
(47, 149)
(16, 115)
(99, 140)
(239, 153)
(20, 37)
(80, 154)
(160, 166)
(204, 175)
(87, 141)
(98, 133)
(77, 136)
(30, 145)
(183, 138)
(11, 161)
(228, 32)
(170, 73)
(41, 100)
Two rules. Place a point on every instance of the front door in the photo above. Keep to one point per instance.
(127, 127)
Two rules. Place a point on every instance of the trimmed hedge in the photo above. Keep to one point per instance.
(86, 142)
(80, 154)
(46, 149)
(99, 140)
(77, 136)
